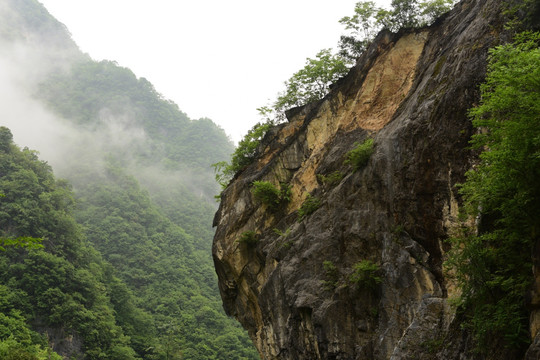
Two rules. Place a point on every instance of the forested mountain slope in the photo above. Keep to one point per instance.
(142, 202)
(64, 291)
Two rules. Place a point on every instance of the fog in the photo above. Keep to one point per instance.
(35, 126)
(27, 59)
(30, 122)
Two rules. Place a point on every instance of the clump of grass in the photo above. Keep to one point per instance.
(268, 194)
(365, 274)
(331, 274)
(265, 192)
(309, 206)
(282, 233)
(331, 179)
(283, 243)
(359, 156)
(249, 238)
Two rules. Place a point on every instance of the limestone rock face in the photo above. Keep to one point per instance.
(294, 290)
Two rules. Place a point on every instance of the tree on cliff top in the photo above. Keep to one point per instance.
(368, 20)
(312, 82)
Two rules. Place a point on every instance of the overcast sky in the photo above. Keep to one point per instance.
(214, 58)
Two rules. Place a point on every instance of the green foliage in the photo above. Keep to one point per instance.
(142, 178)
(493, 265)
(152, 301)
(431, 10)
(6, 139)
(309, 84)
(282, 233)
(283, 242)
(521, 15)
(249, 238)
(404, 14)
(22, 241)
(331, 179)
(359, 156)
(268, 194)
(312, 82)
(398, 230)
(285, 193)
(362, 27)
(159, 295)
(368, 20)
(432, 346)
(223, 174)
(365, 274)
(243, 155)
(143, 205)
(17, 340)
(308, 207)
(247, 147)
(153, 255)
(331, 274)
(12, 349)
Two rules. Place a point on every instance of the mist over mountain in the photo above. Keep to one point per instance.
(141, 175)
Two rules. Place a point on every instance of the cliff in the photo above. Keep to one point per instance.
(292, 290)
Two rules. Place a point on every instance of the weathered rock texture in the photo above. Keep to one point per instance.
(410, 92)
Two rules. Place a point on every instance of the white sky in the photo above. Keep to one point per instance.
(214, 58)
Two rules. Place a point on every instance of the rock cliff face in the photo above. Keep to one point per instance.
(410, 92)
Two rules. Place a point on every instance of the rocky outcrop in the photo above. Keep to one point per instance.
(295, 290)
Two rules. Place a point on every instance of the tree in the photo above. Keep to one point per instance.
(312, 82)
(368, 20)
(431, 10)
(57, 282)
(243, 155)
(493, 262)
(309, 84)
(363, 28)
(404, 14)
(6, 139)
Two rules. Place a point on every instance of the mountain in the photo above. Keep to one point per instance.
(133, 277)
(350, 264)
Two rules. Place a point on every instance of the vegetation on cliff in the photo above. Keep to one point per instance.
(493, 263)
